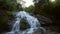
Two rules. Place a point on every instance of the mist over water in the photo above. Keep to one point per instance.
(32, 21)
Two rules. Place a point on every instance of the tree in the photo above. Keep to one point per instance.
(8, 6)
(29, 9)
(48, 9)
(6, 9)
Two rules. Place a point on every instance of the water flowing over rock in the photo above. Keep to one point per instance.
(32, 21)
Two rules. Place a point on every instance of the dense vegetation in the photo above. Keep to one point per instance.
(7, 7)
(50, 10)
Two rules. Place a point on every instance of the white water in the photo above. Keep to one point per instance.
(32, 21)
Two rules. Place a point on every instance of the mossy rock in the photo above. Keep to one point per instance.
(24, 25)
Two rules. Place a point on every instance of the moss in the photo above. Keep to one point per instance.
(24, 25)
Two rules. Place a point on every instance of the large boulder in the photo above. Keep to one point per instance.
(44, 20)
(24, 25)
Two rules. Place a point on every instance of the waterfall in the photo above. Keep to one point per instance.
(32, 21)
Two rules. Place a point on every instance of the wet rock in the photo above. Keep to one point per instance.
(44, 20)
(24, 25)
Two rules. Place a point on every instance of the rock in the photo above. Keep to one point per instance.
(39, 31)
(44, 20)
(24, 25)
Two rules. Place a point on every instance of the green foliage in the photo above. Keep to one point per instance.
(24, 25)
(6, 9)
(46, 8)
(29, 9)
(49, 9)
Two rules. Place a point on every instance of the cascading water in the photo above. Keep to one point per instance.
(32, 21)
